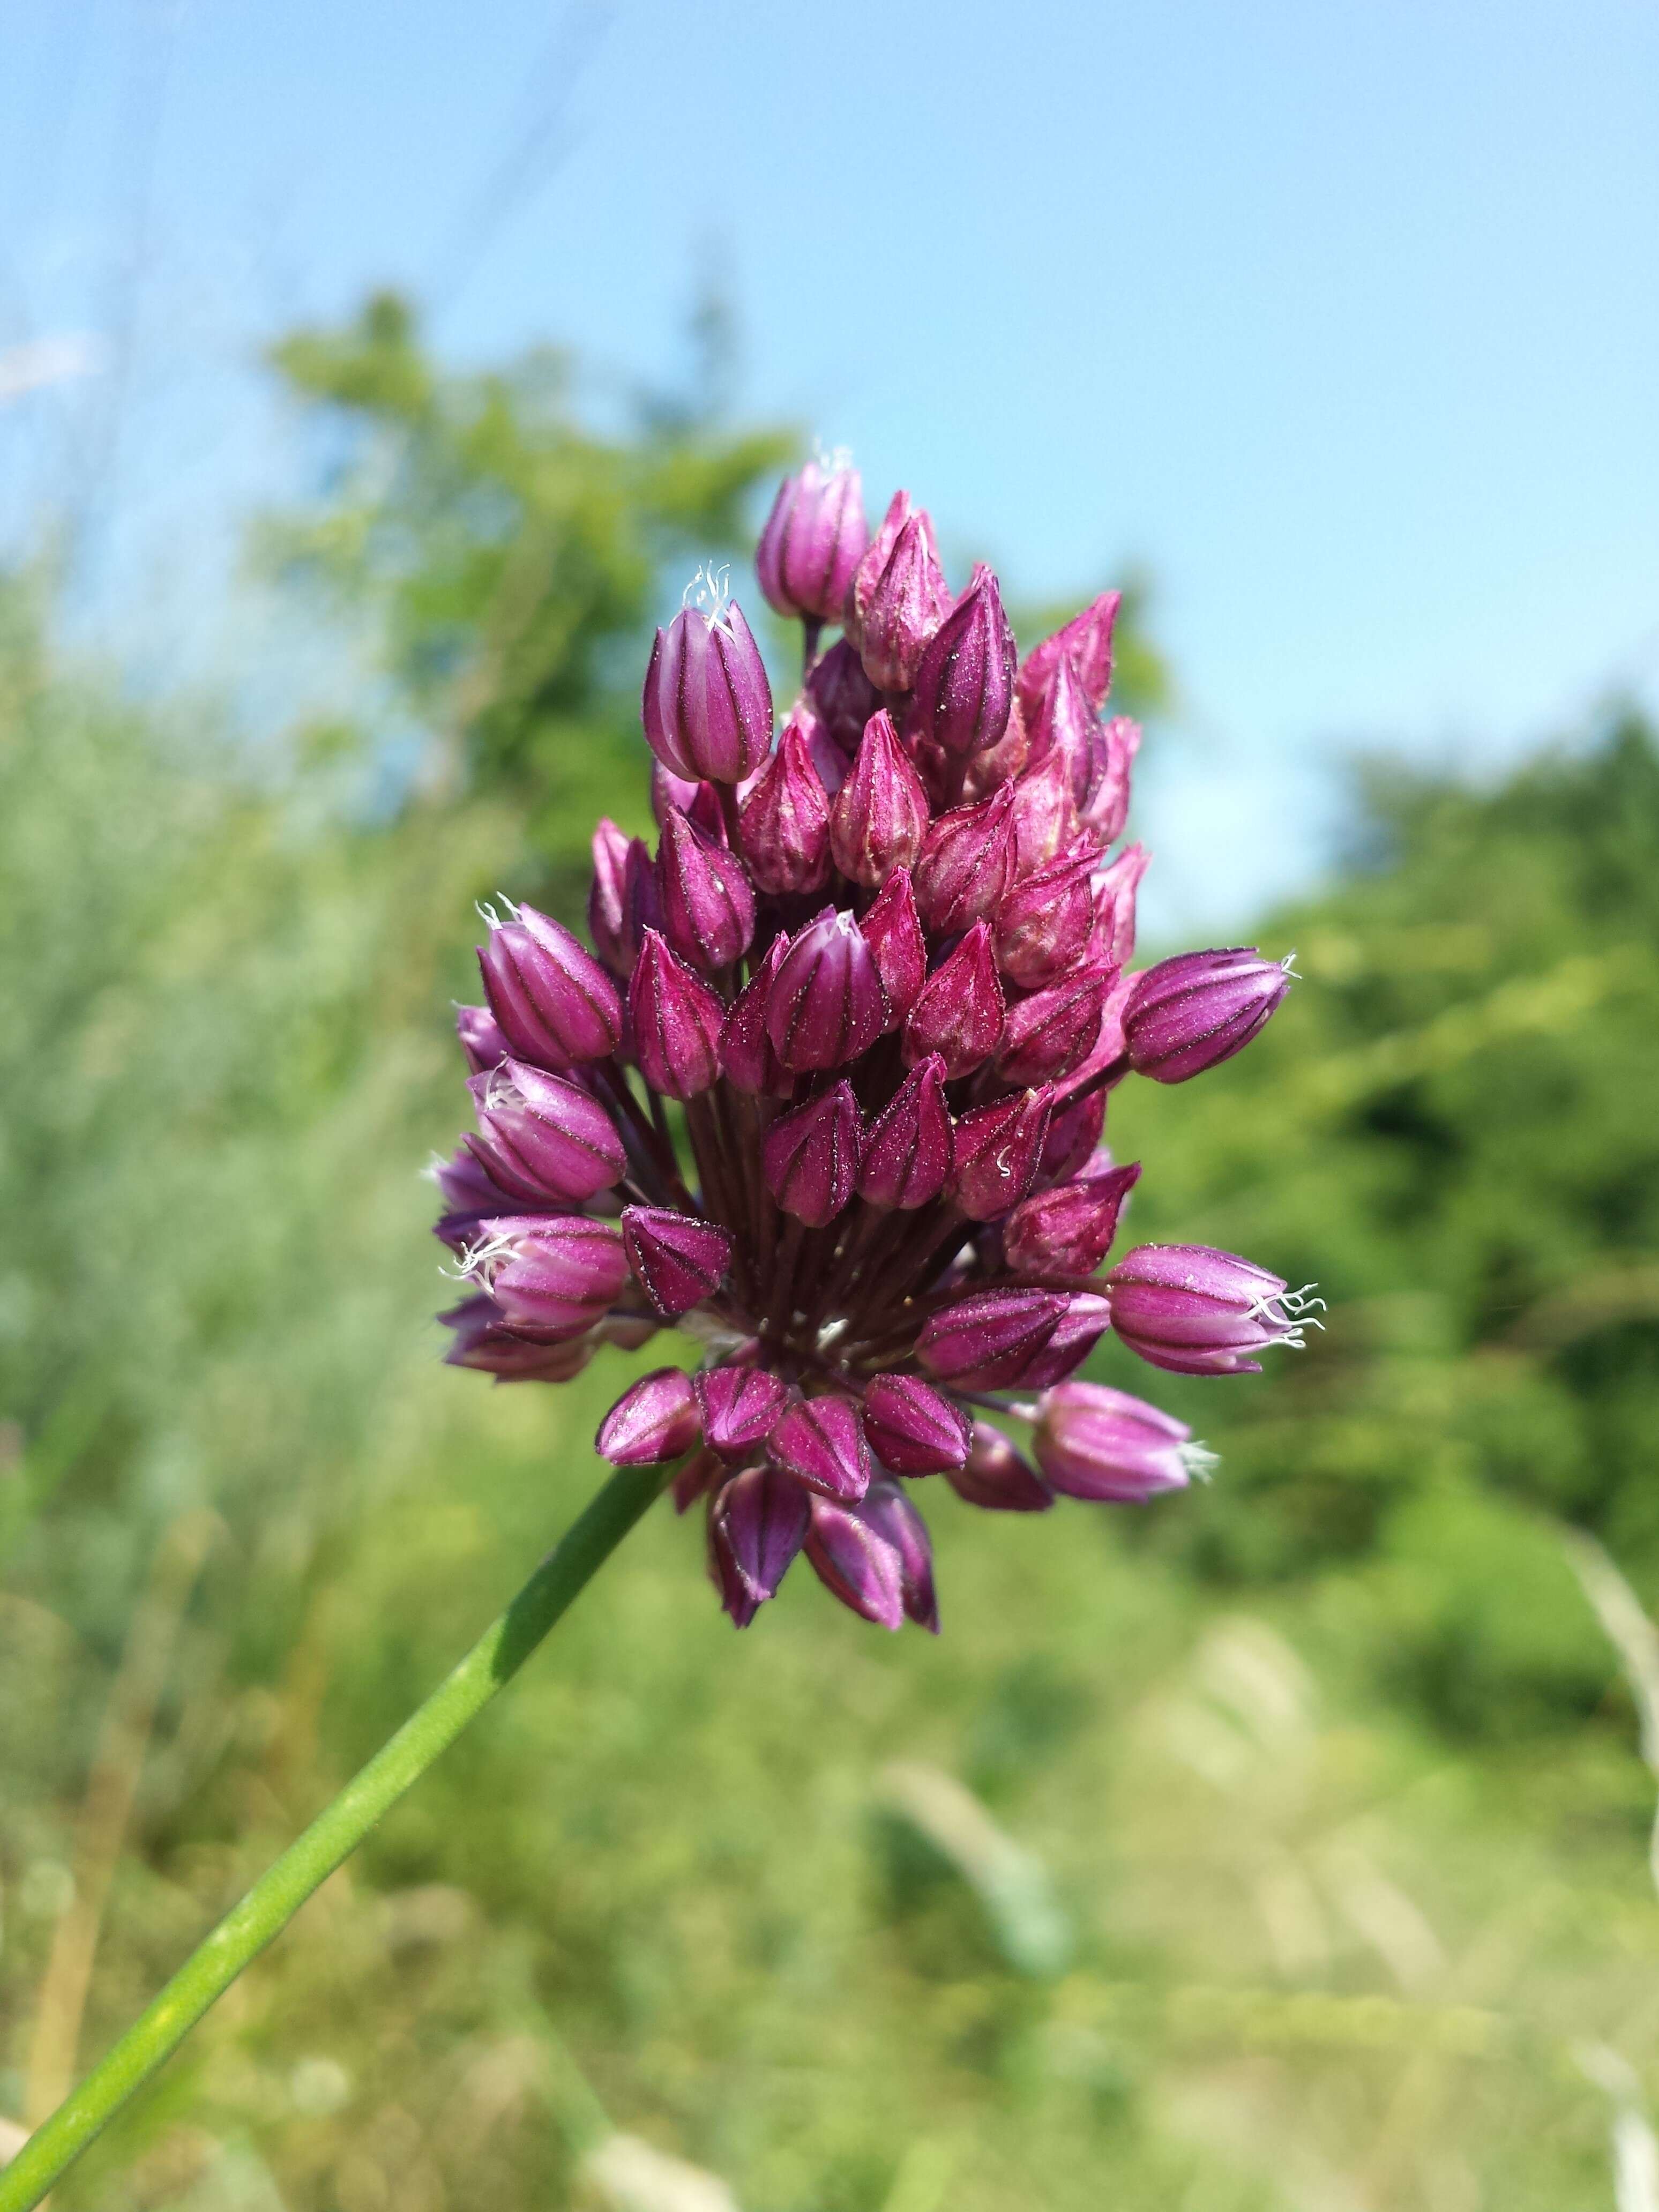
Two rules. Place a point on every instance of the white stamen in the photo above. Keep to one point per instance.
(1287, 964)
(1288, 1313)
(1199, 1461)
(709, 592)
(487, 913)
(833, 462)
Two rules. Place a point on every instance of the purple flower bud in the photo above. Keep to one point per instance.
(995, 1150)
(641, 904)
(678, 1261)
(701, 1474)
(708, 909)
(545, 1141)
(1086, 642)
(653, 1421)
(912, 1428)
(842, 695)
(676, 1020)
(483, 1342)
(1002, 761)
(966, 863)
(554, 1275)
(470, 1195)
(892, 930)
(855, 1564)
(1080, 1328)
(909, 602)
(1074, 1130)
(747, 1058)
(907, 1151)
(708, 706)
(965, 683)
(888, 1513)
(997, 1479)
(1055, 1030)
(820, 1441)
(1046, 821)
(755, 1526)
(481, 1037)
(607, 895)
(669, 791)
(872, 563)
(555, 1004)
(812, 541)
(1043, 923)
(1064, 726)
(988, 1340)
(784, 821)
(1067, 1231)
(1095, 1442)
(1106, 808)
(740, 1407)
(1112, 933)
(881, 813)
(1108, 1058)
(1201, 1312)
(825, 1006)
(810, 1157)
(1191, 1012)
(959, 1013)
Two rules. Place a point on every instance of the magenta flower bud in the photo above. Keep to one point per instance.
(1086, 642)
(892, 930)
(825, 1006)
(888, 1513)
(740, 1407)
(810, 1157)
(907, 1150)
(747, 1058)
(1067, 1231)
(1046, 821)
(912, 1428)
(872, 564)
(1074, 1130)
(988, 1340)
(995, 1150)
(1001, 763)
(669, 791)
(676, 1020)
(959, 1012)
(820, 1441)
(1064, 724)
(547, 1141)
(607, 895)
(678, 1261)
(653, 1421)
(708, 706)
(966, 863)
(812, 541)
(701, 1474)
(555, 1004)
(708, 909)
(784, 821)
(996, 1476)
(881, 813)
(1191, 1012)
(1055, 1030)
(1098, 1443)
(755, 1526)
(1043, 923)
(554, 1275)
(1201, 1312)
(1080, 1328)
(482, 1040)
(910, 601)
(856, 1564)
(964, 686)
(483, 1342)
(1112, 933)
(843, 695)
(641, 904)
(471, 1196)
(1106, 808)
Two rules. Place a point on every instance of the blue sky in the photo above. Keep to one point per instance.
(1342, 323)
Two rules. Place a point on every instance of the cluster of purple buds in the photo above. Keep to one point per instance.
(827, 1095)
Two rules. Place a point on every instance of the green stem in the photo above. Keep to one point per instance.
(332, 1836)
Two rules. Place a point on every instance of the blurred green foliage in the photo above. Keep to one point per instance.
(1283, 1847)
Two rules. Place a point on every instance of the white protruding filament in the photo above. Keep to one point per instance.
(488, 916)
(709, 593)
(1288, 965)
(1199, 1461)
(835, 461)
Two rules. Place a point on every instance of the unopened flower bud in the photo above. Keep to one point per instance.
(1043, 923)
(482, 1040)
(966, 863)
(988, 1338)
(881, 813)
(842, 695)
(1002, 761)
(471, 1196)
(810, 1157)
(811, 542)
(1197, 1311)
(740, 1407)
(653, 1421)
(607, 897)
(907, 1151)
(676, 1021)
(748, 1059)
(959, 1012)
(995, 1152)
(820, 1441)
(888, 1513)
(912, 1428)
(1106, 808)
(825, 1006)
(996, 1476)
(546, 1140)
(755, 1526)
(677, 1260)
(856, 1564)
(554, 1275)
(1078, 1331)
(1074, 1130)
(708, 706)
(1064, 724)
(872, 564)
(1096, 1442)
(784, 821)
(1067, 1231)
(1086, 642)
(483, 1342)
(1191, 1012)
(892, 930)
(964, 684)
(1116, 890)
(1054, 1031)
(708, 907)
(555, 1004)
(669, 791)
(1047, 825)
(909, 600)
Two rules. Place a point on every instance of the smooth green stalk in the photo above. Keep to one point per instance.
(332, 1836)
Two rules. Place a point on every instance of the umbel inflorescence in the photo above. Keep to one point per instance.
(829, 1097)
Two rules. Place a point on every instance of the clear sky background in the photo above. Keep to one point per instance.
(1342, 322)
